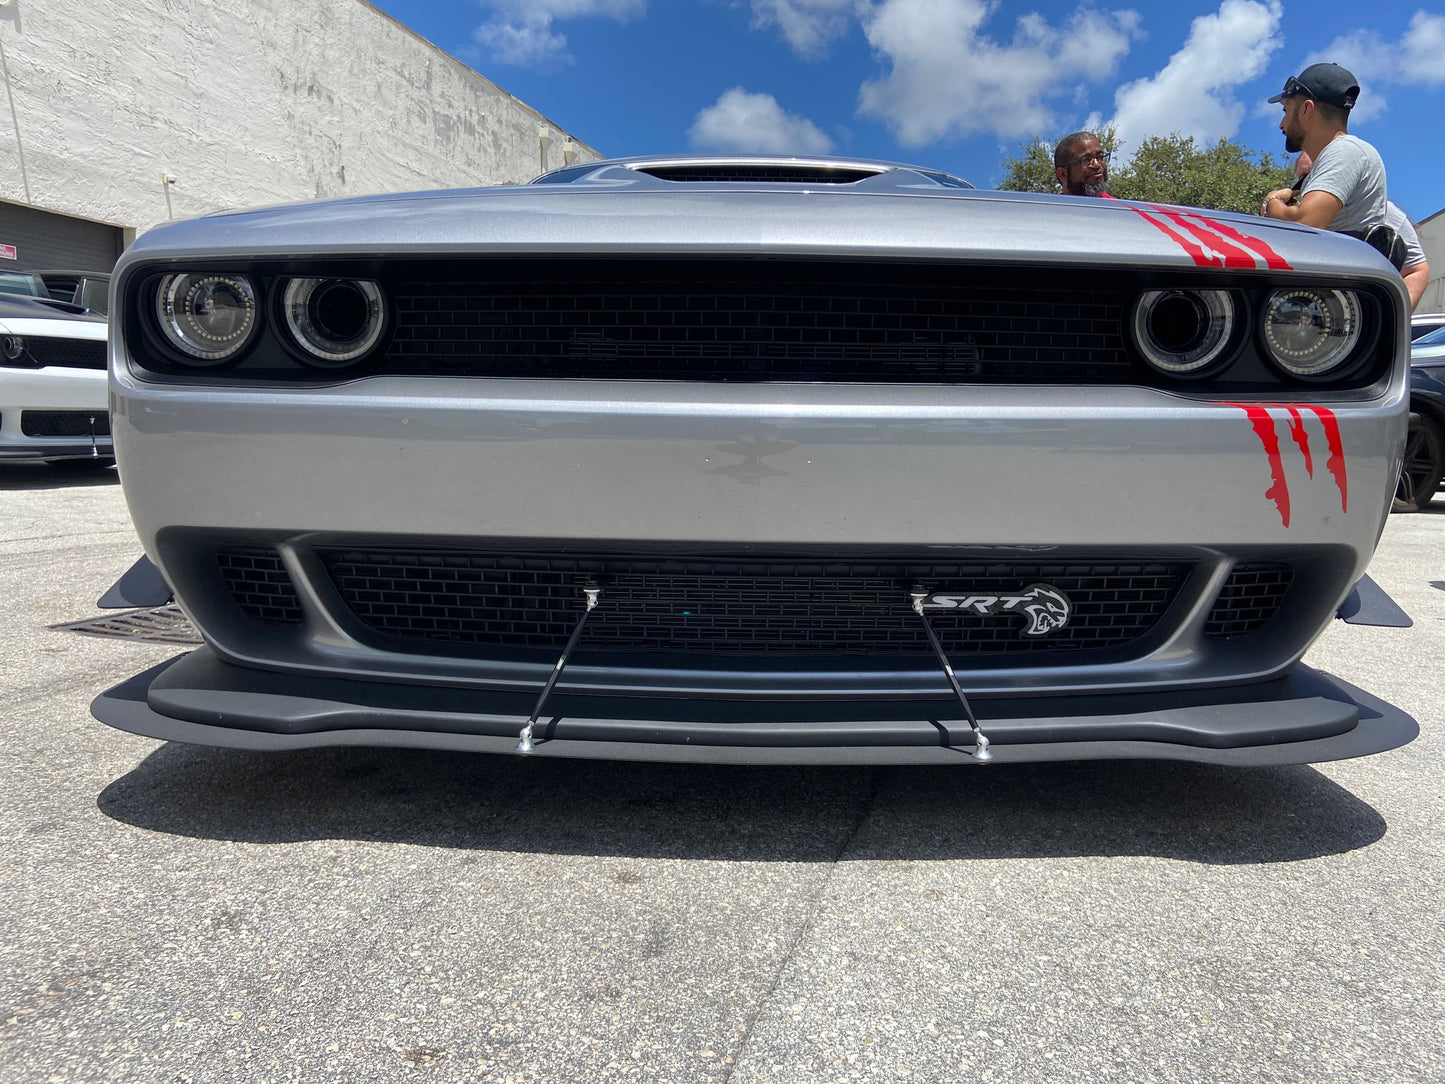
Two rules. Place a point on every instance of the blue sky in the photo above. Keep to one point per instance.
(953, 84)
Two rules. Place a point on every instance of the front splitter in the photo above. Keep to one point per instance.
(1305, 717)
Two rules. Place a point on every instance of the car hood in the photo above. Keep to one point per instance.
(721, 219)
(32, 317)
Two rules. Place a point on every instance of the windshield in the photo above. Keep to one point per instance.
(1432, 338)
(19, 282)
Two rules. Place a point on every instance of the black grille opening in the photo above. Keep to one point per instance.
(66, 353)
(1252, 595)
(759, 173)
(755, 322)
(744, 607)
(259, 584)
(65, 423)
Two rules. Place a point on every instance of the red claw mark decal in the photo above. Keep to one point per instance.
(1335, 464)
(1209, 242)
(1271, 258)
(1297, 431)
(1262, 422)
(1264, 429)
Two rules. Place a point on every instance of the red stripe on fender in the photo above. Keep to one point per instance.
(1335, 464)
(1195, 253)
(1264, 429)
(1271, 258)
(1232, 255)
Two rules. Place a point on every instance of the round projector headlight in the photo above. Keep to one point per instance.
(1184, 332)
(1310, 332)
(208, 318)
(333, 321)
(12, 347)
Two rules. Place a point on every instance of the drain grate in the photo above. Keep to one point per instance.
(162, 625)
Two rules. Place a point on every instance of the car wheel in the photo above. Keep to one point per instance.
(1424, 463)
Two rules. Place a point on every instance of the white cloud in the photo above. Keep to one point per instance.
(950, 79)
(1194, 93)
(808, 26)
(1422, 49)
(520, 31)
(1415, 60)
(743, 123)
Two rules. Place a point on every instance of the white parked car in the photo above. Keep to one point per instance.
(52, 383)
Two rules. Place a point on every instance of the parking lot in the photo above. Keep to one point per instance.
(177, 913)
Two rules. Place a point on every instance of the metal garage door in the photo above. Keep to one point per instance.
(43, 240)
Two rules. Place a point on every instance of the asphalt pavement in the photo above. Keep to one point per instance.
(177, 913)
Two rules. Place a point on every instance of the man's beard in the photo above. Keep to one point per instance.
(1097, 188)
(1293, 141)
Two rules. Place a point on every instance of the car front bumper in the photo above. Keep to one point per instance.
(53, 391)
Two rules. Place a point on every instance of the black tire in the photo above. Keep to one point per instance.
(1423, 466)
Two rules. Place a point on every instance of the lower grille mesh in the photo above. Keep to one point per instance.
(65, 423)
(1252, 595)
(259, 584)
(736, 606)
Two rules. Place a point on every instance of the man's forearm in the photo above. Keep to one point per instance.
(1417, 277)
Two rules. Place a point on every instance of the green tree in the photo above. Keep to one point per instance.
(1224, 176)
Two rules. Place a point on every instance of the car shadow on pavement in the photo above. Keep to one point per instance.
(1199, 813)
(64, 475)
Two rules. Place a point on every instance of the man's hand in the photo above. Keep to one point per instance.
(1317, 209)
(1282, 196)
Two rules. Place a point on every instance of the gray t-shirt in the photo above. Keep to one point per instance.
(1397, 220)
(1350, 170)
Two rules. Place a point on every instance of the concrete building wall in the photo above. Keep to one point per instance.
(1432, 240)
(138, 111)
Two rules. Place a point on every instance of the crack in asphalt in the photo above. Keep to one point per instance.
(809, 921)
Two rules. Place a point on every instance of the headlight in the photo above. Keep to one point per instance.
(333, 321)
(1183, 332)
(1310, 332)
(208, 318)
(12, 347)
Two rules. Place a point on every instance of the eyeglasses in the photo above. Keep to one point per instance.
(1294, 88)
(1088, 159)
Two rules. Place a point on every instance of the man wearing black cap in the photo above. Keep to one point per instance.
(1345, 191)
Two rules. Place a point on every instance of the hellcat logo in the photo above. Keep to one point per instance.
(1047, 608)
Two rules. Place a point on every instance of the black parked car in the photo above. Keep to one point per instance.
(1425, 446)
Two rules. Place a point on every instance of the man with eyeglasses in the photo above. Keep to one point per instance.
(1345, 189)
(1082, 165)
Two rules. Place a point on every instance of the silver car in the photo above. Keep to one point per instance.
(758, 460)
(52, 383)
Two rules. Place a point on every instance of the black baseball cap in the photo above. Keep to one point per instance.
(1328, 83)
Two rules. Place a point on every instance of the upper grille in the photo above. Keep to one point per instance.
(65, 423)
(737, 321)
(1252, 595)
(817, 607)
(69, 353)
